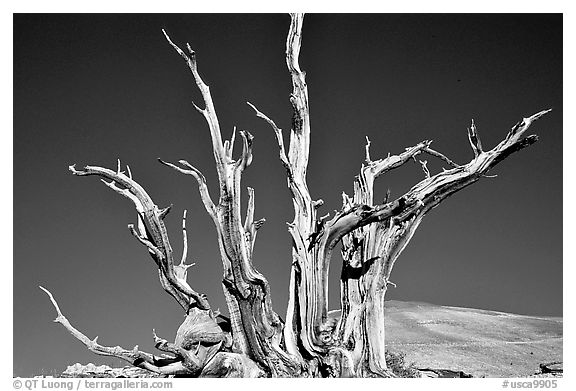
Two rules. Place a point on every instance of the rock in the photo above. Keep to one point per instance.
(104, 371)
(442, 373)
(553, 367)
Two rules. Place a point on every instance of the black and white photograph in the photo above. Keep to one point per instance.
(287, 195)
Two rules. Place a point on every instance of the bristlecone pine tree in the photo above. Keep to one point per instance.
(254, 341)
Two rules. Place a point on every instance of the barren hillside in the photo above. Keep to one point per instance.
(479, 342)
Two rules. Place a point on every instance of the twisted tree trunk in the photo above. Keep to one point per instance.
(314, 342)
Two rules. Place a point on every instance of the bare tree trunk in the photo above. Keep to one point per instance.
(257, 329)
(312, 342)
(373, 236)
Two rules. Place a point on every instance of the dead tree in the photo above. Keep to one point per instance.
(254, 341)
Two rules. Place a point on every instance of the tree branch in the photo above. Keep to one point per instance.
(251, 227)
(432, 152)
(153, 233)
(202, 186)
(374, 236)
(432, 190)
(474, 139)
(279, 138)
(208, 112)
(135, 356)
(424, 164)
(181, 270)
(246, 159)
(381, 166)
(256, 326)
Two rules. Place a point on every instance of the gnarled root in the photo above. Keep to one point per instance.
(225, 364)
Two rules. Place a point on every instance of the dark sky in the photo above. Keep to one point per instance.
(89, 89)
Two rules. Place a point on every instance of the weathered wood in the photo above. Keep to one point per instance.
(373, 236)
(135, 356)
(369, 253)
(151, 232)
(254, 322)
(231, 365)
(254, 341)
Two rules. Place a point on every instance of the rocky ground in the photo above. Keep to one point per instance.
(477, 342)
(103, 371)
(443, 341)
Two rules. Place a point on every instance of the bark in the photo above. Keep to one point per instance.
(373, 236)
(257, 329)
(254, 341)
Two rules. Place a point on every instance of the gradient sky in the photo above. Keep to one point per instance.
(89, 89)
